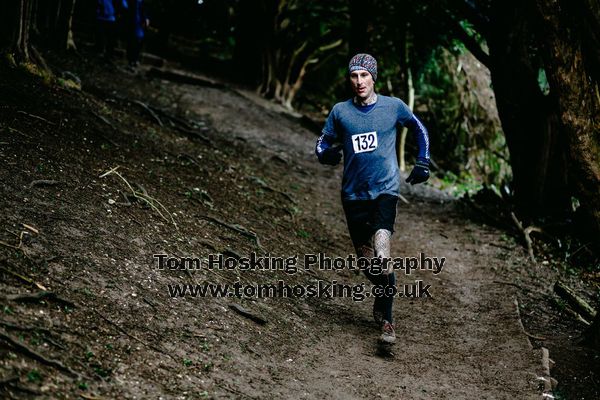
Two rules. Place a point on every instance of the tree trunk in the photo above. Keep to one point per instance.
(20, 43)
(532, 132)
(275, 56)
(298, 67)
(571, 55)
(64, 33)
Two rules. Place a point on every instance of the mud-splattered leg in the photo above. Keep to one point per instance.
(382, 249)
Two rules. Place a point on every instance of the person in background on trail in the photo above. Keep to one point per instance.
(107, 12)
(136, 23)
(363, 128)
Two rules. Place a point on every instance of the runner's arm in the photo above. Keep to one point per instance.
(324, 142)
(326, 152)
(421, 136)
(420, 172)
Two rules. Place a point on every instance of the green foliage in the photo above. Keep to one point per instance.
(36, 70)
(466, 137)
(205, 346)
(543, 81)
(68, 84)
(35, 340)
(558, 394)
(34, 376)
(459, 185)
(208, 366)
(99, 370)
(303, 234)
(9, 58)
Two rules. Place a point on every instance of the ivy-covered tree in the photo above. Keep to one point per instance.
(570, 32)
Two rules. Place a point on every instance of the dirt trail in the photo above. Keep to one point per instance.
(465, 342)
(130, 340)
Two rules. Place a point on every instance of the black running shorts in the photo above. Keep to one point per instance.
(365, 217)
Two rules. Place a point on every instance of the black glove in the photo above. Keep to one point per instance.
(420, 172)
(331, 156)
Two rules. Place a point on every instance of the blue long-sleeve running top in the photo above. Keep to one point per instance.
(368, 139)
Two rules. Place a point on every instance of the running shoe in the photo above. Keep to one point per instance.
(388, 334)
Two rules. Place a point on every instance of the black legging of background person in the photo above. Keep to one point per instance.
(106, 38)
(135, 21)
(134, 49)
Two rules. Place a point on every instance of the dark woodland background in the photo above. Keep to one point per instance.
(509, 90)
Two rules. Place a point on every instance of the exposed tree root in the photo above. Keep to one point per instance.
(237, 228)
(142, 195)
(35, 355)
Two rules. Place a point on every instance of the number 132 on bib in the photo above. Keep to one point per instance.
(364, 142)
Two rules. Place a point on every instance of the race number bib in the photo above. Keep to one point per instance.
(364, 142)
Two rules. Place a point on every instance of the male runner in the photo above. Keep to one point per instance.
(365, 128)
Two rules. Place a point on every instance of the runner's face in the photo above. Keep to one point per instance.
(362, 83)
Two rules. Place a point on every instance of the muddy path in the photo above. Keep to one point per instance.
(235, 177)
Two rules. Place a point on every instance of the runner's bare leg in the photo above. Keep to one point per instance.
(382, 248)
